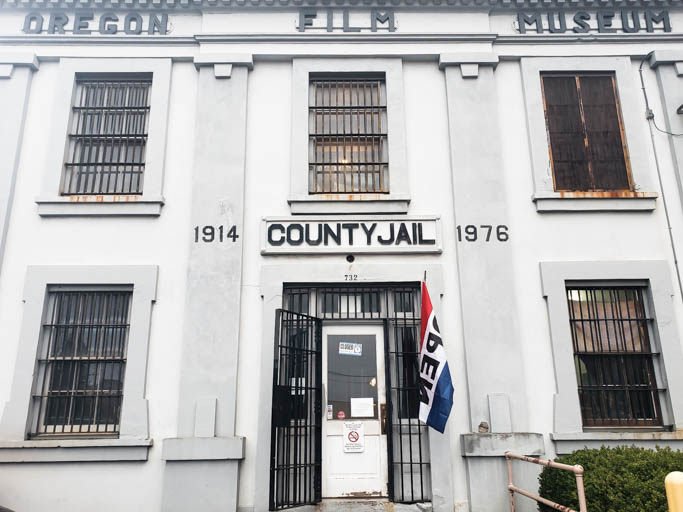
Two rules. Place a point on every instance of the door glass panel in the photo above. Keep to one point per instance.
(351, 374)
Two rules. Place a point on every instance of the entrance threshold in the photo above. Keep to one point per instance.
(369, 505)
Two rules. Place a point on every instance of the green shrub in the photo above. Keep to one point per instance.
(623, 479)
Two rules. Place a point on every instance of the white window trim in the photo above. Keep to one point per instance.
(655, 275)
(643, 197)
(133, 441)
(50, 202)
(398, 198)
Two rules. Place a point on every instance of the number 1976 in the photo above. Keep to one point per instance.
(485, 232)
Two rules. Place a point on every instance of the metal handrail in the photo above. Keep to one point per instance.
(577, 470)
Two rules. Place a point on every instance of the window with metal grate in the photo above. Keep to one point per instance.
(615, 363)
(108, 135)
(585, 132)
(348, 150)
(81, 362)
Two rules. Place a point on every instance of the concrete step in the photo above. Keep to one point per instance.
(369, 505)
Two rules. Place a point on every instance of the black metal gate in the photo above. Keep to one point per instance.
(296, 432)
(397, 305)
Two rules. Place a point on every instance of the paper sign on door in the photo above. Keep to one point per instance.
(362, 408)
(350, 349)
(354, 437)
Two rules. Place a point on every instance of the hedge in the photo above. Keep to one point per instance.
(623, 479)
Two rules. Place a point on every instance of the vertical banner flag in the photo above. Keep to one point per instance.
(436, 388)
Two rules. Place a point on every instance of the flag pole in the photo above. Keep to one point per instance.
(425, 277)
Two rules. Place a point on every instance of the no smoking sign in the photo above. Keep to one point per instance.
(354, 437)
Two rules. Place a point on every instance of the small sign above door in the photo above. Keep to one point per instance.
(362, 234)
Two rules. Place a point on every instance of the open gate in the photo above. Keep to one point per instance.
(296, 431)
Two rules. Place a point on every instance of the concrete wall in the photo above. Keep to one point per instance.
(442, 179)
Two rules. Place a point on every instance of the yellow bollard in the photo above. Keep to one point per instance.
(674, 491)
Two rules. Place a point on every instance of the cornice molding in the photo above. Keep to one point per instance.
(185, 5)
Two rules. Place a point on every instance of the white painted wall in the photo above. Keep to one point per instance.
(100, 241)
(164, 241)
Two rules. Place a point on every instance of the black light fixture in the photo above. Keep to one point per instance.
(679, 110)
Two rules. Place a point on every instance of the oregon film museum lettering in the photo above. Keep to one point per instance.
(352, 235)
(85, 23)
(603, 21)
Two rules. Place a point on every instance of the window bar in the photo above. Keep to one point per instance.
(375, 100)
(81, 143)
(127, 165)
(69, 402)
(316, 129)
(95, 350)
(48, 382)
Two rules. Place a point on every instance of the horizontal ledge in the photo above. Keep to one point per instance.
(640, 202)
(20, 59)
(74, 450)
(480, 58)
(202, 448)
(660, 57)
(350, 205)
(99, 207)
(618, 436)
(569, 442)
(236, 59)
(496, 444)
(359, 37)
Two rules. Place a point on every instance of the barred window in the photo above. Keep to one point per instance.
(585, 132)
(615, 363)
(108, 135)
(348, 150)
(81, 362)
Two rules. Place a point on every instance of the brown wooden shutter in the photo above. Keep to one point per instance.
(565, 130)
(584, 131)
(603, 131)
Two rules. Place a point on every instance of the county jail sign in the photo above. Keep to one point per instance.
(351, 235)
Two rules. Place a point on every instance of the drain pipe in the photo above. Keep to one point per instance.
(650, 116)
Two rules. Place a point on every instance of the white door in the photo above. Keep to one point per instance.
(354, 444)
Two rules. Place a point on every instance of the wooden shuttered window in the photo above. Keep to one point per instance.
(585, 132)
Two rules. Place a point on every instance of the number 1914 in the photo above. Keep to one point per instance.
(210, 234)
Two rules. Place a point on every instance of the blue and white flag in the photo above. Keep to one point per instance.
(436, 388)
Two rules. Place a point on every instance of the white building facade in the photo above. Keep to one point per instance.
(215, 216)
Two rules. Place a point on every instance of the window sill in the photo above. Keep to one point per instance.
(74, 450)
(568, 442)
(594, 201)
(104, 206)
(348, 203)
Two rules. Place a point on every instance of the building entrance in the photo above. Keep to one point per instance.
(354, 424)
(346, 397)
